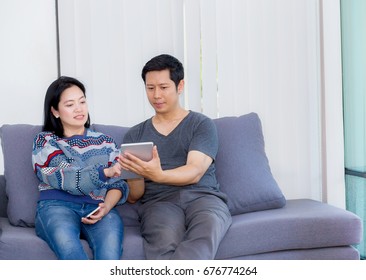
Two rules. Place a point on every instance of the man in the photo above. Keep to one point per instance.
(183, 214)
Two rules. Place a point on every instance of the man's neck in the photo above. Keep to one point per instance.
(175, 116)
(165, 124)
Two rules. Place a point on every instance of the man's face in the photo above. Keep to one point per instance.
(161, 91)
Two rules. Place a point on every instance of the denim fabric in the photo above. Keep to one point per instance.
(59, 224)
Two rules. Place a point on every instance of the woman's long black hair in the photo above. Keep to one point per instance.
(52, 99)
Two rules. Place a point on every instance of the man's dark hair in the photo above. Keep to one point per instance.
(163, 62)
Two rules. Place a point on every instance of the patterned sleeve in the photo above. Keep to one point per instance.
(56, 168)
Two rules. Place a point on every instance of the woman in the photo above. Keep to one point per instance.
(78, 172)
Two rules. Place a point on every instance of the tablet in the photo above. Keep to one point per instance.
(142, 150)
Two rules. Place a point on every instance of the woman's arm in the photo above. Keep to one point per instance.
(56, 167)
(111, 199)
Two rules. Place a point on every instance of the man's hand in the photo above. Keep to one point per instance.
(147, 169)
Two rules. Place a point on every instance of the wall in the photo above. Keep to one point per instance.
(28, 59)
(280, 59)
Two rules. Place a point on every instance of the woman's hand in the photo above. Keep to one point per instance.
(111, 199)
(97, 216)
(113, 171)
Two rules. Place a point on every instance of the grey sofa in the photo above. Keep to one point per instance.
(265, 224)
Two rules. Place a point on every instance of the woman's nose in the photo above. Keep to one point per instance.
(78, 107)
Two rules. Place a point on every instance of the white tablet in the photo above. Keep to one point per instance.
(142, 150)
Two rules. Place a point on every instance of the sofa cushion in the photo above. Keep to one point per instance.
(20, 243)
(21, 182)
(301, 224)
(115, 131)
(242, 167)
(3, 197)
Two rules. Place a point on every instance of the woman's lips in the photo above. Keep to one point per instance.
(79, 117)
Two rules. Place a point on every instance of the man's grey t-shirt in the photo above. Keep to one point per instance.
(194, 132)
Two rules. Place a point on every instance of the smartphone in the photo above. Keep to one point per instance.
(92, 212)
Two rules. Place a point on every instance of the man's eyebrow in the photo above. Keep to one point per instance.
(160, 84)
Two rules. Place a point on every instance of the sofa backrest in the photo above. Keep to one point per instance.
(3, 197)
(21, 182)
(242, 167)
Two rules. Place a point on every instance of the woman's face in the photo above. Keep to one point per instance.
(72, 111)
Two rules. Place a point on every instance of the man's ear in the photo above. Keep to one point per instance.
(55, 113)
(180, 86)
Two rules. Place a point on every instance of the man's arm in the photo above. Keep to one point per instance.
(190, 173)
(137, 189)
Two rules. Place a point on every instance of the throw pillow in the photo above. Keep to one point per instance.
(242, 167)
(21, 182)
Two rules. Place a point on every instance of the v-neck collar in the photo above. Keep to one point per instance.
(173, 130)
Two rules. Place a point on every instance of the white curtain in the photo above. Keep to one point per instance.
(106, 44)
(28, 60)
(278, 58)
(263, 56)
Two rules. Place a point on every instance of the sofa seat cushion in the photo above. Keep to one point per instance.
(328, 253)
(301, 224)
(303, 229)
(129, 214)
(22, 243)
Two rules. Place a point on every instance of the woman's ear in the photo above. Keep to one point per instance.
(55, 113)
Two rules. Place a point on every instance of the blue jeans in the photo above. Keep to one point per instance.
(59, 224)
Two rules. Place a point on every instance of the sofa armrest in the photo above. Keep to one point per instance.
(3, 197)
